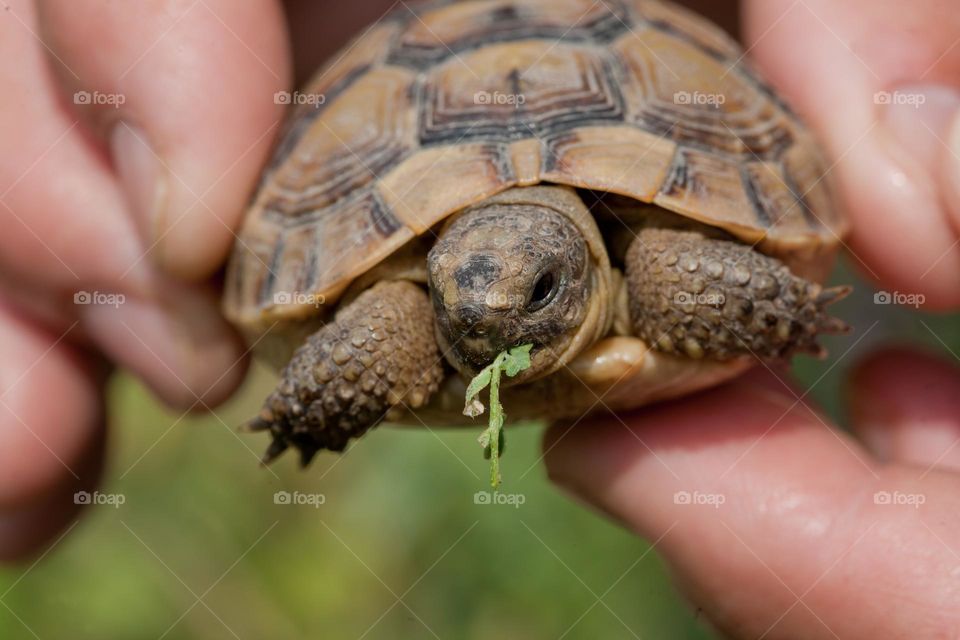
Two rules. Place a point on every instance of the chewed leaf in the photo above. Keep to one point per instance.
(510, 362)
(517, 360)
(473, 407)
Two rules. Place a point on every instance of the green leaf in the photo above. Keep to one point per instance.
(473, 407)
(517, 360)
(492, 439)
(484, 439)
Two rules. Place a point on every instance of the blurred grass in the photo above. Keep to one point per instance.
(398, 549)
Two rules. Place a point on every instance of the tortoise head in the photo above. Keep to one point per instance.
(505, 274)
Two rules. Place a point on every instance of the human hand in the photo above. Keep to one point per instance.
(776, 524)
(133, 135)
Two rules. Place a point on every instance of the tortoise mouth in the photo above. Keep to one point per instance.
(470, 362)
(475, 357)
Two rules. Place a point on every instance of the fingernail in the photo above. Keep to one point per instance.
(142, 176)
(919, 117)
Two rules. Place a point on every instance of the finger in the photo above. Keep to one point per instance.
(27, 530)
(177, 341)
(68, 237)
(63, 218)
(769, 519)
(184, 96)
(51, 433)
(880, 85)
(905, 406)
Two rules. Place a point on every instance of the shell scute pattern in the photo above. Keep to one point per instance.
(445, 104)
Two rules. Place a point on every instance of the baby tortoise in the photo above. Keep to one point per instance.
(606, 181)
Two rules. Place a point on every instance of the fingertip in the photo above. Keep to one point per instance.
(904, 405)
(205, 102)
(177, 342)
(51, 411)
(881, 110)
(581, 459)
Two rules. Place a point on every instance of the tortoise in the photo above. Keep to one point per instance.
(607, 181)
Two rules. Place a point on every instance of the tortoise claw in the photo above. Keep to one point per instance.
(828, 324)
(307, 453)
(833, 294)
(256, 425)
(274, 451)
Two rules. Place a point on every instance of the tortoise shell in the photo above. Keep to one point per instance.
(442, 105)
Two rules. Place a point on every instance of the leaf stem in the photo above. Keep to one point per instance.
(510, 362)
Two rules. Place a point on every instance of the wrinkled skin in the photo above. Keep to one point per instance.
(503, 276)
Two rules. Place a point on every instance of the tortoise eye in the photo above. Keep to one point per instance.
(543, 292)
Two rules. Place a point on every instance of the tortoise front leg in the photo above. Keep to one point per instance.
(709, 298)
(379, 353)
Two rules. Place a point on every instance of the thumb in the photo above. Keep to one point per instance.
(880, 85)
(183, 94)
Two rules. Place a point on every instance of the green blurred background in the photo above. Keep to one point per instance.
(398, 549)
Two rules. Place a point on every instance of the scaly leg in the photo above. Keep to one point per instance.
(709, 298)
(379, 353)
